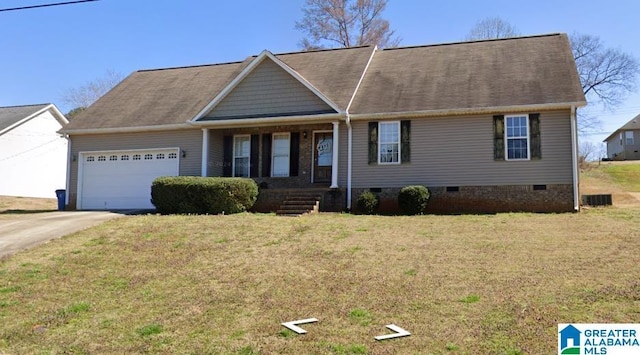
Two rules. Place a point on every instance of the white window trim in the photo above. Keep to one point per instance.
(399, 143)
(627, 138)
(273, 152)
(233, 161)
(506, 138)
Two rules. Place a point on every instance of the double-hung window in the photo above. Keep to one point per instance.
(517, 137)
(280, 154)
(389, 143)
(241, 154)
(628, 137)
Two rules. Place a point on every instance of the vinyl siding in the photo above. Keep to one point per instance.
(216, 153)
(613, 146)
(33, 158)
(188, 140)
(268, 91)
(458, 151)
(632, 151)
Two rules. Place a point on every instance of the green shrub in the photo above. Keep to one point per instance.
(413, 199)
(368, 202)
(202, 195)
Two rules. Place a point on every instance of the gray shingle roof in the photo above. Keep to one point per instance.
(634, 123)
(537, 70)
(521, 71)
(14, 114)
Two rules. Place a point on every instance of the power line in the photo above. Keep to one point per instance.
(47, 5)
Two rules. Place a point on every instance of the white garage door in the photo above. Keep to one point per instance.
(122, 179)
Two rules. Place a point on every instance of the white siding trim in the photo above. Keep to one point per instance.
(574, 158)
(336, 144)
(465, 111)
(205, 151)
(62, 120)
(269, 121)
(506, 138)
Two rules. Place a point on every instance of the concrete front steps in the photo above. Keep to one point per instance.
(299, 203)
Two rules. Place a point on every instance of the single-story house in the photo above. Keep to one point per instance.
(488, 126)
(33, 155)
(624, 142)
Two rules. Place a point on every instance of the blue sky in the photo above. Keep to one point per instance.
(46, 51)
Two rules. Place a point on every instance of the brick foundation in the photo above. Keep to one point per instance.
(484, 199)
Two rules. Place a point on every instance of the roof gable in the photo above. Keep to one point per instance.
(14, 116)
(267, 87)
(633, 124)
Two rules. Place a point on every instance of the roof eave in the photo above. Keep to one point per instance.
(139, 129)
(49, 107)
(468, 111)
(268, 121)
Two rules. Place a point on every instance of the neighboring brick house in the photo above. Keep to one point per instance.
(488, 126)
(33, 155)
(624, 143)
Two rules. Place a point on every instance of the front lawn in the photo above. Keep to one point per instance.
(476, 284)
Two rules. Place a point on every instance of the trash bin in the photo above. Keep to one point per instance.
(61, 194)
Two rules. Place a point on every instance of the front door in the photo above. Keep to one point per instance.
(322, 156)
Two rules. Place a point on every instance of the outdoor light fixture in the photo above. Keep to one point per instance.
(184, 153)
(304, 134)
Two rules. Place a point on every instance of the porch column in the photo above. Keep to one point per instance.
(205, 151)
(334, 164)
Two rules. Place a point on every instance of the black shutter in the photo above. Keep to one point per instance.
(294, 156)
(255, 156)
(373, 142)
(266, 155)
(534, 135)
(405, 141)
(498, 137)
(227, 156)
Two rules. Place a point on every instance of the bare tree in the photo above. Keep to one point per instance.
(607, 75)
(345, 23)
(589, 151)
(82, 97)
(492, 28)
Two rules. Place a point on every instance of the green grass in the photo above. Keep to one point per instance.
(626, 175)
(470, 299)
(476, 284)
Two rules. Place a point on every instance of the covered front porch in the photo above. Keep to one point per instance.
(284, 160)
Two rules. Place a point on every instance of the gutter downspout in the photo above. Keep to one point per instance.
(574, 157)
(349, 157)
(350, 129)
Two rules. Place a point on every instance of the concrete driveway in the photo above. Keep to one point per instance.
(25, 231)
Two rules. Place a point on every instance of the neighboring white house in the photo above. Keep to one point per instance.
(33, 156)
